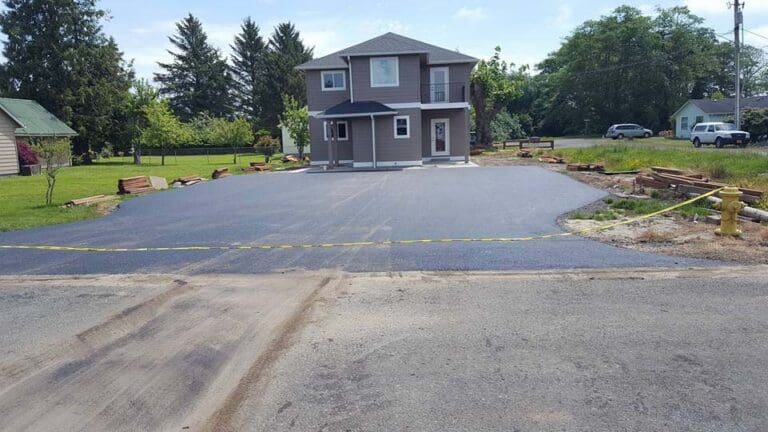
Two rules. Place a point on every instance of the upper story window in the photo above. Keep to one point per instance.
(333, 80)
(384, 72)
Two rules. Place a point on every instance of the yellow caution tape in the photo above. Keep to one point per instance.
(359, 243)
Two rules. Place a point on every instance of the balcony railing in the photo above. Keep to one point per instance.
(449, 92)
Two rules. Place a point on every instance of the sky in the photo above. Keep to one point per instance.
(526, 30)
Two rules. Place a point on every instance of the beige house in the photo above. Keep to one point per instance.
(25, 119)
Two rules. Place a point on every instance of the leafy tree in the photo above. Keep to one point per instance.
(505, 126)
(490, 90)
(268, 146)
(755, 121)
(53, 154)
(295, 118)
(57, 54)
(248, 54)
(236, 133)
(198, 79)
(286, 51)
(131, 119)
(163, 130)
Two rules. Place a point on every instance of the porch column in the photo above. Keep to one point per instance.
(329, 131)
(373, 138)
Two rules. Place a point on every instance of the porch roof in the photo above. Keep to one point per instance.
(357, 109)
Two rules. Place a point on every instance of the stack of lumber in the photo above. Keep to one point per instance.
(552, 159)
(258, 166)
(525, 153)
(475, 151)
(134, 185)
(220, 172)
(90, 200)
(187, 181)
(688, 183)
(585, 167)
(290, 158)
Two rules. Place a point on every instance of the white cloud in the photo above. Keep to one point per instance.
(564, 17)
(470, 14)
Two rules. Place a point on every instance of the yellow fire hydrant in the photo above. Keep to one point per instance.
(730, 208)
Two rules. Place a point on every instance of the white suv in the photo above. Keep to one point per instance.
(718, 134)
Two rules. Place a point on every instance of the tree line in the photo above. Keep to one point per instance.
(624, 67)
(56, 53)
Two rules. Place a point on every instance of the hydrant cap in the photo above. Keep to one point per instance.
(731, 190)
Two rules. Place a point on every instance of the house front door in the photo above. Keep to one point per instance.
(441, 137)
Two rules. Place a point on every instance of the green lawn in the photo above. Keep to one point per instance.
(742, 168)
(22, 198)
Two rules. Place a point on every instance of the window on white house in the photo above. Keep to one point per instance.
(699, 119)
(402, 126)
(333, 80)
(340, 125)
(384, 72)
(684, 123)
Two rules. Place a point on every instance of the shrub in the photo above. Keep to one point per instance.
(27, 156)
(268, 146)
(667, 134)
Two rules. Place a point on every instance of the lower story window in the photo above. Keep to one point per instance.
(402, 126)
(684, 123)
(328, 131)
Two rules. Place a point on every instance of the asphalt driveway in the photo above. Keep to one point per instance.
(299, 208)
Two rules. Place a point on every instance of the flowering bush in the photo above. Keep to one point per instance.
(26, 155)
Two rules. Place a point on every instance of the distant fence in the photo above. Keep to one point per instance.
(198, 151)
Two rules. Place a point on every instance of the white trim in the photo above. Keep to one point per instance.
(397, 71)
(446, 87)
(373, 139)
(343, 80)
(351, 88)
(443, 158)
(362, 164)
(407, 126)
(315, 113)
(356, 115)
(398, 163)
(404, 105)
(432, 139)
(346, 131)
(447, 105)
(325, 162)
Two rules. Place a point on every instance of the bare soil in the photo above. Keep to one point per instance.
(671, 234)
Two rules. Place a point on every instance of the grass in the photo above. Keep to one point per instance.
(739, 168)
(639, 207)
(22, 199)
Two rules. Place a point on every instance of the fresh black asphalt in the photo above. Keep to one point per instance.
(300, 208)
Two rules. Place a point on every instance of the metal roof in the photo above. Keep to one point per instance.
(33, 119)
(357, 109)
(388, 44)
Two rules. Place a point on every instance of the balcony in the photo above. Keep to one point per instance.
(441, 93)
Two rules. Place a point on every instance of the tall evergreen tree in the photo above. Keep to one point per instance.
(57, 54)
(286, 51)
(198, 79)
(248, 53)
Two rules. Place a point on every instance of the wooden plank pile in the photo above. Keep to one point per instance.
(187, 181)
(688, 183)
(525, 153)
(290, 158)
(258, 167)
(90, 200)
(585, 167)
(220, 173)
(552, 159)
(134, 185)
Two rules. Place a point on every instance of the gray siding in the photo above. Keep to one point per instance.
(320, 146)
(319, 100)
(362, 147)
(457, 73)
(389, 148)
(9, 160)
(407, 91)
(459, 130)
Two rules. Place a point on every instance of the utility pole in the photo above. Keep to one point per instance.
(738, 20)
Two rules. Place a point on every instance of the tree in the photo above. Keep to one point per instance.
(57, 54)
(248, 54)
(505, 126)
(268, 146)
(132, 117)
(163, 130)
(53, 154)
(198, 79)
(755, 121)
(236, 133)
(286, 51)
(490, 90)
(295, 118)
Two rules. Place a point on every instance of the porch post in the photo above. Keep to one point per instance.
(336, 144)
(329, 132)
(466, 123)
(373, 138)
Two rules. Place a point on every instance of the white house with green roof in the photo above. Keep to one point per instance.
(23, 118)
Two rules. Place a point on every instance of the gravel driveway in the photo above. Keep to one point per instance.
(299, 208)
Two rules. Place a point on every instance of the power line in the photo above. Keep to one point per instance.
(756, 34)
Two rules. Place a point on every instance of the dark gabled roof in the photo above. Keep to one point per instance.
(721, 106)
(388, 44)
(33, 119)
(357, 109)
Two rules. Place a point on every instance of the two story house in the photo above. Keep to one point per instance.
(389, 101)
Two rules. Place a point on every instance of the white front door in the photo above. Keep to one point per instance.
(441, 137)
(438, 85)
